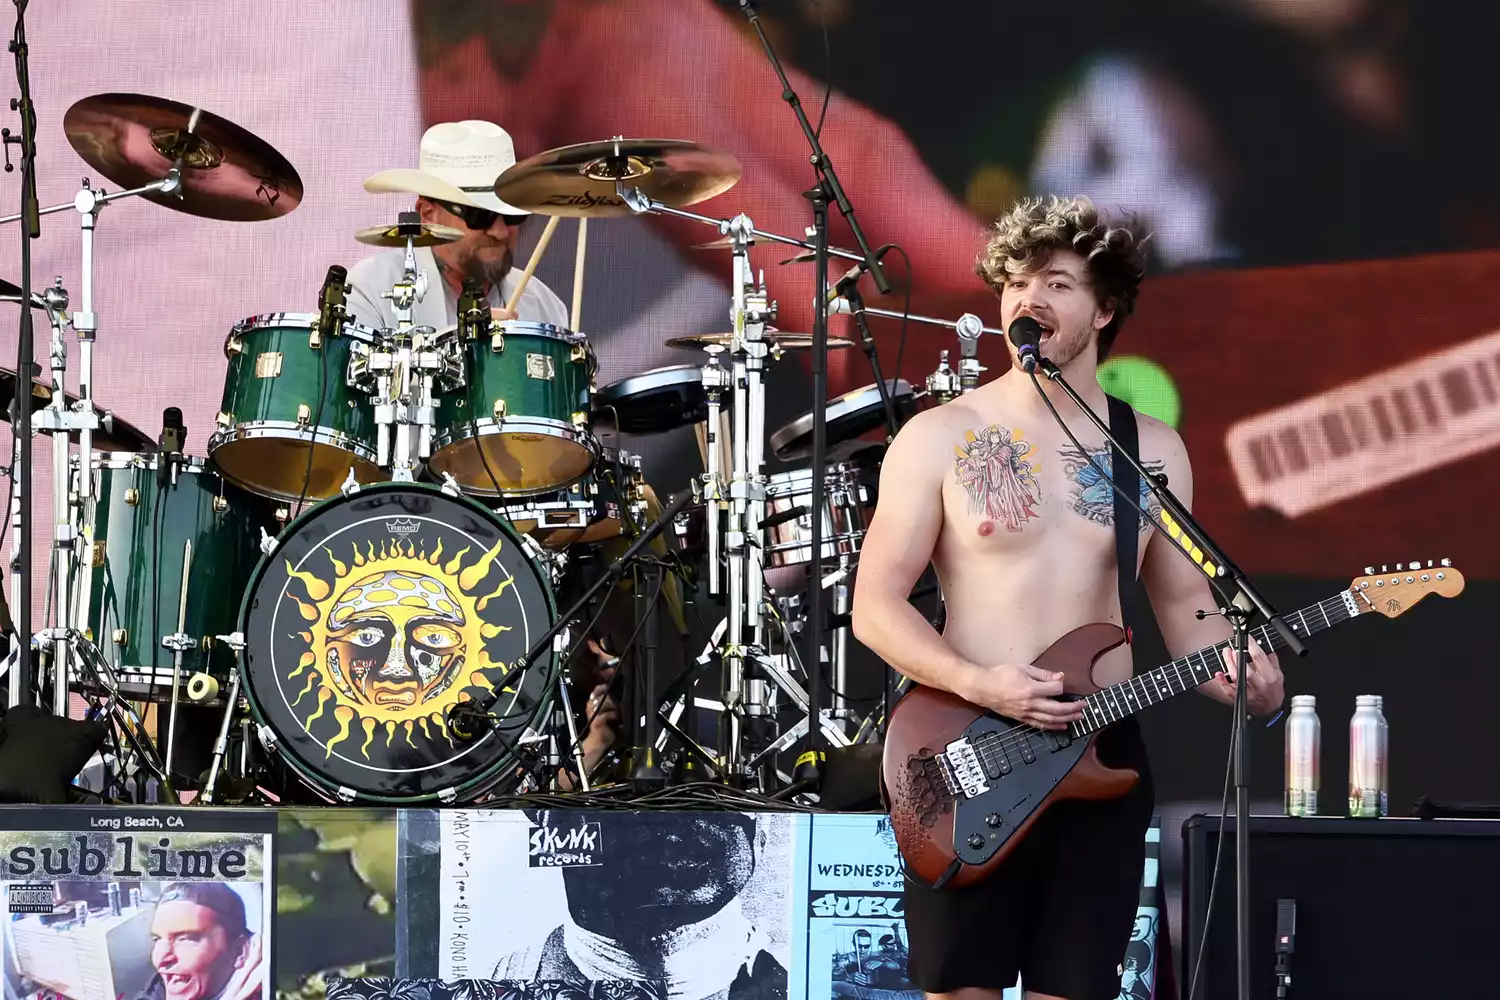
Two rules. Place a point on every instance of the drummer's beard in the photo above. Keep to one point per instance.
(488, 268)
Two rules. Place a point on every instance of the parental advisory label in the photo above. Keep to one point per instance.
(30, 897)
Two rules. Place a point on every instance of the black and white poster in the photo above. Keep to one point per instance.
(670, 905)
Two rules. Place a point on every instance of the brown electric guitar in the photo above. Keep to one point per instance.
(964, 784)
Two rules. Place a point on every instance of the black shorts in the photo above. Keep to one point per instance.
(1058, 911)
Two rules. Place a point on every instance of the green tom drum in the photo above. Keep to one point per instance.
(520, 426)
(154, 546)
(291, 426)
(374, 616)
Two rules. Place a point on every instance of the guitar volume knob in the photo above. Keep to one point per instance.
(993, 819)
(976, 841)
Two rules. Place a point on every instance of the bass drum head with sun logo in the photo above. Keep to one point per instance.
(377, 613)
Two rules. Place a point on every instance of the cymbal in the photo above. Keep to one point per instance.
(579, 180)
(776, 338)
(12, 293)
(119, 436)
(227, 172)
(428, 234)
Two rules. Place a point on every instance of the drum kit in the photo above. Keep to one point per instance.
(384, 517)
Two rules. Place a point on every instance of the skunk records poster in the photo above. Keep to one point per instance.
(120, 904)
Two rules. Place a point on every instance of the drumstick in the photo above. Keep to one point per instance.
(583, 235)
(536, 256)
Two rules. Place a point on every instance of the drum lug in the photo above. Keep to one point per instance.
(304, 414)
(220, 505)
(448, 796)
(282, 515)
(499, 409)
(580, 419)
(224, 420)
(267, 543)
(350, 486)
(450, 485)
(132, 497)
(346, 794)
(121, 636)
(234, 345)
(578, 354)
(99, 547)
(497, 342)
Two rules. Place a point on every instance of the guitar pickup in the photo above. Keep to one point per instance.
(1028, 752)
(1058, 740)
(996, 763)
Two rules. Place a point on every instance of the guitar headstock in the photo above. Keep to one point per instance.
(1396, 588)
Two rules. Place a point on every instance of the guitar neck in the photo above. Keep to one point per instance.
(1115, 702)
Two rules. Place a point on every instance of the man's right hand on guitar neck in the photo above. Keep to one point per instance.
(1022, 692)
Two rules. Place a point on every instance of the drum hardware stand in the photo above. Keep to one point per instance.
(178, 642)
(57, 419)
(236, 642)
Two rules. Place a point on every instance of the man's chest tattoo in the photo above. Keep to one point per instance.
(995, 466)
(1090, 494)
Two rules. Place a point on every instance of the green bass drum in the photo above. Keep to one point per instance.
(374, 616)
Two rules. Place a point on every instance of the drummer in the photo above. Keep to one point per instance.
(455, 187)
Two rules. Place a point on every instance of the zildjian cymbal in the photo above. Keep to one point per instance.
(227, 172)
(579, 180)
(426, 234)
(777, 340)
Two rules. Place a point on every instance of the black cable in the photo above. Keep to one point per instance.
(905, 310)
(827, 68)
(317, 422)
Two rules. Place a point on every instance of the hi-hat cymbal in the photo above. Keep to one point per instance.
(227, 172)
(427, 234)
(119, 435)
(579, 180)
(776, 338)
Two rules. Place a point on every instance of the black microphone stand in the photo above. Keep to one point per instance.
(1238, 602)
(867, 344)
(31, 228)
(826, 189)
(469, 719)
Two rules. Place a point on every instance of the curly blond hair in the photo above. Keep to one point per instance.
(1023, 239)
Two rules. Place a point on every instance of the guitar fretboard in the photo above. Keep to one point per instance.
(1115, 702)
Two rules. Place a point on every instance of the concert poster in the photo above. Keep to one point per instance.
(691, 904)
(137, 904)
(856, 924)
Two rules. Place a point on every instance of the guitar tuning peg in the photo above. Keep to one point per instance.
(1429, 564)
(1415, 565)
(1447, 562)
(1369, 571)
(1383, 568)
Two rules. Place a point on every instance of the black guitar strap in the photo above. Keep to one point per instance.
(1127, 483)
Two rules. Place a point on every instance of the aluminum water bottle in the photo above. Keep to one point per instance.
(1304, 754)
(1369, 741)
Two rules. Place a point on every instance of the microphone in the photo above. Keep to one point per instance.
(1026, 334)
(169, 444)
(331, 301)
(1286, 943)
(473, 311)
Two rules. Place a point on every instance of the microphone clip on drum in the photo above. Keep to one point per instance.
(170, 445)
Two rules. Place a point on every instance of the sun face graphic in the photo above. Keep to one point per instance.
(394, 640)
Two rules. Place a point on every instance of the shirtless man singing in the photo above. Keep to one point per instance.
(1020, 529)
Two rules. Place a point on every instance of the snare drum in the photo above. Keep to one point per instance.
(849, 491)
(520, 427)
(285, 398)
(166, 560)
(594, 509)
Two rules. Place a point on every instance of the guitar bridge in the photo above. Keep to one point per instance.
(964, 766)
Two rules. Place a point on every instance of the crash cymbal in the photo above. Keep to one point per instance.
(776, 338)
(113, 434)
(579, 180)
(227, 172)
(427, 235)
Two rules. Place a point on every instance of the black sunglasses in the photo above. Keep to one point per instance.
(479, 219)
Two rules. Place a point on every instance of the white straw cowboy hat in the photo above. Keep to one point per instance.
(459, 163)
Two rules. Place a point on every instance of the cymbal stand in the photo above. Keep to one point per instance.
(59, 420)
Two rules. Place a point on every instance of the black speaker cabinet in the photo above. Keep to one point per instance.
(1384, 908)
